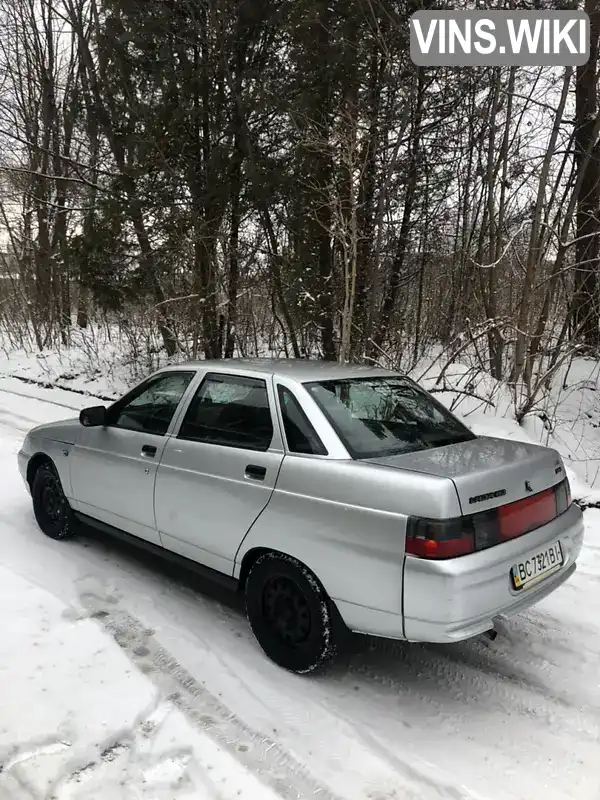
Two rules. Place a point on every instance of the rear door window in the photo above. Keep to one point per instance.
(300, 435)
(229, 410)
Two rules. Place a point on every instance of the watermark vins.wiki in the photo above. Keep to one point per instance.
(498, 38)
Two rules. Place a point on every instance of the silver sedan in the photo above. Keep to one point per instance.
(336, 498)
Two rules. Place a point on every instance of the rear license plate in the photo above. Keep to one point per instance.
(539, 566)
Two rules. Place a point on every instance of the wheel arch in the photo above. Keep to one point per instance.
(251, 557)
(34, 463)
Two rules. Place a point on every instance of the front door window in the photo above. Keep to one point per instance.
(150, 407)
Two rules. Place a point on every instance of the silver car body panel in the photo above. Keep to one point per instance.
(473, 466)
(113, 481)
(458, 598)
(64, 432)
(112, 478)
(213, 479)
(54, 440)
(345, 519)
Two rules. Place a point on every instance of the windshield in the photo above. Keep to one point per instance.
(385, 416)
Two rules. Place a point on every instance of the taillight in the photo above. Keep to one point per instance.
(563, 496)
(526, 515)
(439, 539)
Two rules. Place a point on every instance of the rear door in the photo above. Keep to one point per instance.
(219, 469)
(113, 468)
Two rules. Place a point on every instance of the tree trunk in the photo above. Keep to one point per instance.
(585, 301)
(391, 292)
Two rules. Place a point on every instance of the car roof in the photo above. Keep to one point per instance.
(299, 369)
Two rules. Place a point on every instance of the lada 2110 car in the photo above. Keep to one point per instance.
(334, 497)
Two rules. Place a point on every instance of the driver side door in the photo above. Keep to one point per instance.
(113, 468)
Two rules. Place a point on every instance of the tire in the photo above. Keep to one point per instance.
(290, 614)
(52, 511)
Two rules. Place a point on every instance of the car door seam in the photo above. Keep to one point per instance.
(259, 515)
(168, 438)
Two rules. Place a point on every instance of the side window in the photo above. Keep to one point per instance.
(151, 407)
(229, 410)
(300, 434)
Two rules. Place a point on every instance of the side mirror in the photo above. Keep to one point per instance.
(94, 417)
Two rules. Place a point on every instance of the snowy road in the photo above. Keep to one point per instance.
(121, 679)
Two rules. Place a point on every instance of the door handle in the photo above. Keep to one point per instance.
(149, 450)
(255, 472)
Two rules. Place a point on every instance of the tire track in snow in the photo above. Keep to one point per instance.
(7, 420)
(50, 386)
(475, 674)
(39, 399)
(264, 757)
(134, 756)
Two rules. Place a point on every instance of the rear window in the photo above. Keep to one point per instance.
(377, 417)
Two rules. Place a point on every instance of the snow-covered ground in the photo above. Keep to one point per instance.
(123, 679)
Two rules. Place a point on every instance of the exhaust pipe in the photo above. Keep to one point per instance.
(491, 634)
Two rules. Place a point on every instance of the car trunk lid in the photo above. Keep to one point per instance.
(487, 472)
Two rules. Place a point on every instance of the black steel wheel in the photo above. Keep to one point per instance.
(286, 610)
(290, 614)
(50, 506)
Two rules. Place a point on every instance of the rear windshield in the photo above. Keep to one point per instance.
(377, 417)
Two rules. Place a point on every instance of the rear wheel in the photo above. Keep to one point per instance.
(290, 614)
(50, 506)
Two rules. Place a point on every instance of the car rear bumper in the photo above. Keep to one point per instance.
(447, 601)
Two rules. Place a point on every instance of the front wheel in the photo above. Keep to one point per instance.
(290, 614)
(50, 506)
